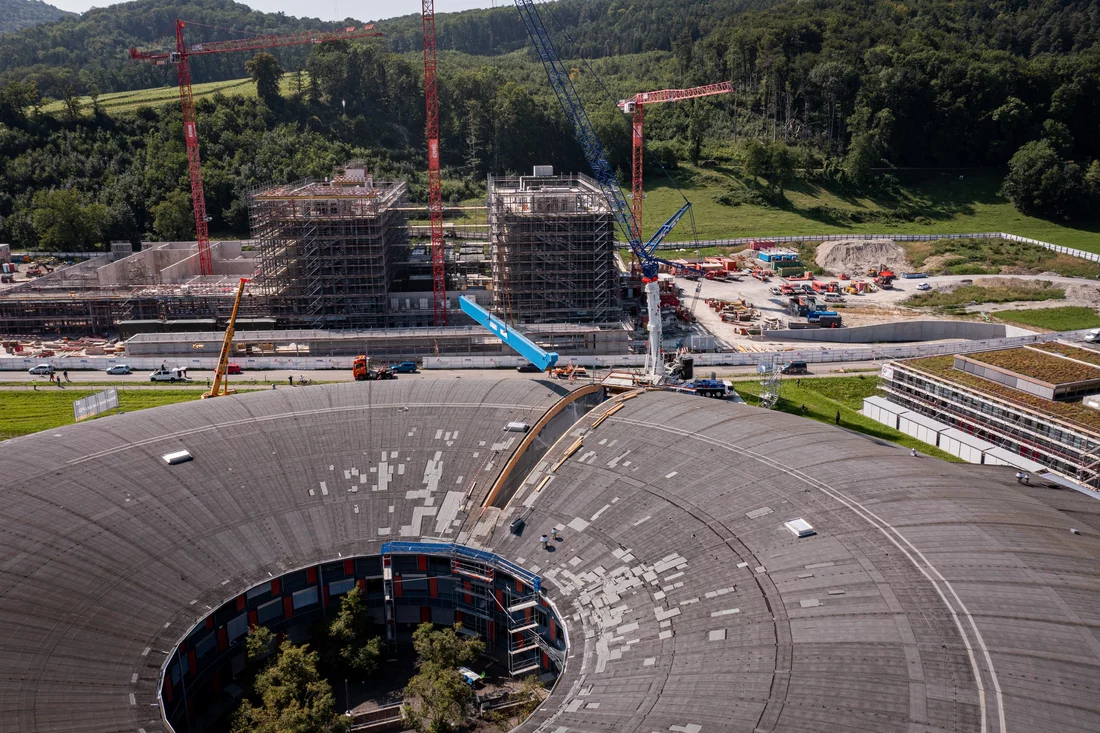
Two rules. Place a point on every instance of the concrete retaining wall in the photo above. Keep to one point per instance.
(900, 331)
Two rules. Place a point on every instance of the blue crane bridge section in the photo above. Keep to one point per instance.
(524, 346)
(462, 552)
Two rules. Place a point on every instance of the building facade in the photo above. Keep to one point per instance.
(553, 251)
(1030, 401)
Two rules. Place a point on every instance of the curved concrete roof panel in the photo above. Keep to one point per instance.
(933, 596)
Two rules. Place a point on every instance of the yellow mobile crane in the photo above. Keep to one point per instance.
(221, 384)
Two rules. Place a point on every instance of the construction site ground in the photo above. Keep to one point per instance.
(883, 306)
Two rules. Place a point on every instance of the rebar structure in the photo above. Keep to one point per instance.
(329, 250)
(553, 250)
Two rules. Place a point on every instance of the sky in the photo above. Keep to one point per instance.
(323, 9)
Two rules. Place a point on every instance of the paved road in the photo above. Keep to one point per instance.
(263, 380)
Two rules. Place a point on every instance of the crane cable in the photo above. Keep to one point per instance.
(611, 97)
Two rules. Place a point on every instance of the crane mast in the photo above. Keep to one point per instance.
(181, 58)
(435, 181)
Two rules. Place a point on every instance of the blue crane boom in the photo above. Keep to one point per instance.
(524, 346)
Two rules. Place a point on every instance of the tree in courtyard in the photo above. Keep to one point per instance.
(293, 697)
(266, 72)
(352, 632)
(258, 642)
(64, 222)
(437, 699)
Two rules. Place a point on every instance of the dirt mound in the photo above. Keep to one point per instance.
(856, 255)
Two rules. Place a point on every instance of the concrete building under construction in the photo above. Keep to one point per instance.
(329, 250)
(553, 250)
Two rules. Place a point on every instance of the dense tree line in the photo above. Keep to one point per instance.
(18, 14)
(838, 90)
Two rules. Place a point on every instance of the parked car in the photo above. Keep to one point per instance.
(170, 374)
(233, 369)
(120, 369)
(1093, 336)
(924, 286)
(796, 367)
(40, 369)
(406, 367)
(528, 367)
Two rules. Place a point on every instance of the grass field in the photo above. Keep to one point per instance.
(822, 399)
(976, 294)
(1068, 318)
(130, 101)
(31, 412)
(946, 206)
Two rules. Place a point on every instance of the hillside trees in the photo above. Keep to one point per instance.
(266, 72)
(1040, 182)
(65, 221)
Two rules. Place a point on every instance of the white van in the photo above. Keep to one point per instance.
(1093, 336)
(170, 374)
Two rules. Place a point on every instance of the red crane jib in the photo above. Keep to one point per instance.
(638, 142)
(181, 57)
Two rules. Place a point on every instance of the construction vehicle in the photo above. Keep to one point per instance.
(220, 386)
(524, 346)
(562, 83)
(362, 372)
(573, 371)
(885, 279)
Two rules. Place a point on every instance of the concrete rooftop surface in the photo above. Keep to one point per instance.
(933, 596)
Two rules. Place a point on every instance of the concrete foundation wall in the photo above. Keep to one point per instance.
(893, 332)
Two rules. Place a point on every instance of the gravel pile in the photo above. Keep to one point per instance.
(854, 256)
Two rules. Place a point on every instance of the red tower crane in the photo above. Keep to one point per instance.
(181, 58)
(435, 181)
(636, 107)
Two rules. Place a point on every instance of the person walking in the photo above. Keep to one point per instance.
(913, 452)
(66, 373)
(291, 380)
(838, 417)
(1019, 477)
(1027, 479)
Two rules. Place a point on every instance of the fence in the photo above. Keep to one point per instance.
(1090, 256)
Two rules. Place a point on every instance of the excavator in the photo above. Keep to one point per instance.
(220, 387)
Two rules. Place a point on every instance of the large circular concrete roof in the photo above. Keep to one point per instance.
(934, 597)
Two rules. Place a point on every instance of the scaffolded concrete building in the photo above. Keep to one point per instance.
(329, 250)
(553, 250)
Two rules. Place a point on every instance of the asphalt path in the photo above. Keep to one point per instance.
(264, 379)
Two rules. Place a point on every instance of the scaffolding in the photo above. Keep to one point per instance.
(329, 250)
(553, 246)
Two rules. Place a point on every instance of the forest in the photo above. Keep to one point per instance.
(18, 14)
(841, 91)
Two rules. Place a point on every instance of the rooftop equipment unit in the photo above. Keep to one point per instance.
(180, 456)
(517, 427)
(800, 527)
